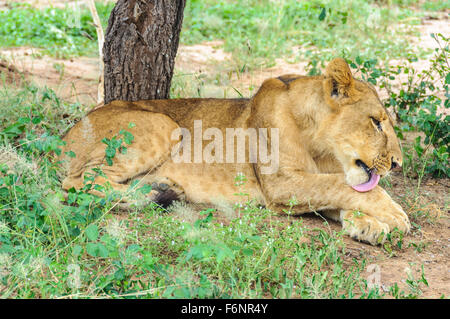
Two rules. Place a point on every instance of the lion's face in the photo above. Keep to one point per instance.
(365, 141)
(360, 131)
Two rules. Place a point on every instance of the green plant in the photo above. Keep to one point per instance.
(116, 144)
(420, 108)
(414, 286)
(419, 246)
(394, 241)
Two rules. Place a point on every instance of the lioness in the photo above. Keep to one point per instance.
(335, 142)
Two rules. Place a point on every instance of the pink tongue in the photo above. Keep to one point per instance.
(365, 187)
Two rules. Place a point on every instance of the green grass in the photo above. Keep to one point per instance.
(59, 32)
(31, 101)
(257, 32)
(436, 5)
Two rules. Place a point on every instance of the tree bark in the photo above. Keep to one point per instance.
(140, 47)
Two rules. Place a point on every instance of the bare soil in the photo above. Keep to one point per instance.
(77, 80)
(73, 80)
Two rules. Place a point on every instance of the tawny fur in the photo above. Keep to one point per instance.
(325, 124)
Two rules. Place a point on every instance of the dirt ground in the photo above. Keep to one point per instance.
(77, 79)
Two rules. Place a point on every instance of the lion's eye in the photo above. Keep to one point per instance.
(377, 123)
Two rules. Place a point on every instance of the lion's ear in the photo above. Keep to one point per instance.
(339, 85)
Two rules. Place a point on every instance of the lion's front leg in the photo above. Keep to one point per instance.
(382, 215)
(360, 226)
(365, 216)
(381, 206)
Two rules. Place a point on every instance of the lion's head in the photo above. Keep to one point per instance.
(358, 129)
(337, 117)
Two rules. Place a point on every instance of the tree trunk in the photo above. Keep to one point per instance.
(140, 48)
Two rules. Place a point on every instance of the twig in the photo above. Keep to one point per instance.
(101, 40)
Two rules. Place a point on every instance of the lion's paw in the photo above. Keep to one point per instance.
(363, 227)
(394, 216)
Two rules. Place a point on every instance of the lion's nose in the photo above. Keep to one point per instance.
(395, 166)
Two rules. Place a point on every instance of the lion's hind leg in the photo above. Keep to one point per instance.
(100, 184)
(151, 146)
(129, 188)
(164, 190)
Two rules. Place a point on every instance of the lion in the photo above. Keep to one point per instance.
(335, 141)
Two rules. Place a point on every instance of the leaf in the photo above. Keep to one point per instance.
(223, 252)
(70, 154)
(97, 250)
(145, 189)
(14, 129)
(148, 259)
(102, 250)
(91, 249)
(106, 141)
(322, 14)
(128, 137)
(110, 152)
(99, 172)
(119, 274)
(133, 248)
(36, 120)
(76, 250)
(92, 232)
(134, 183)
(24, 120)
